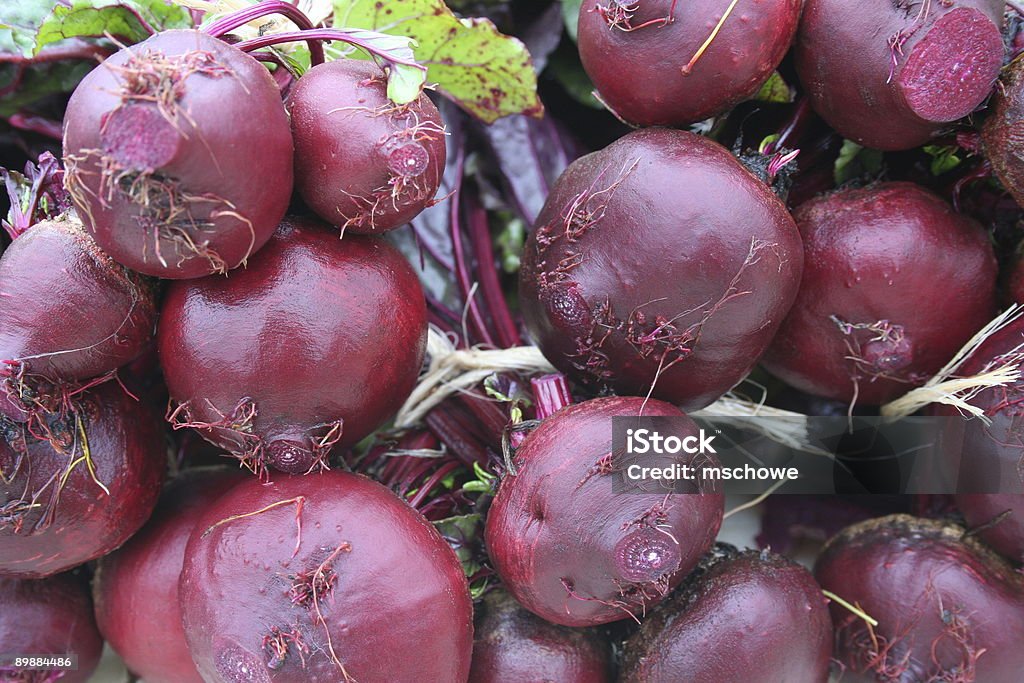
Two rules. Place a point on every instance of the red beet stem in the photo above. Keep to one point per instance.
(243, 16)
(550, 394)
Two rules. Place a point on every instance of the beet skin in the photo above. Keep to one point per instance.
(573, 551)
(998, 519)
(659, 260)
(327, 577)
(1003, 134)
(314, 344)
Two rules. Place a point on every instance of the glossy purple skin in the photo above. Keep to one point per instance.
(753, 616)
(555, 528)
(871, 257)
(511, 644)
(49, 617)
(315, 330)
(127, 450)
(947, 607)
(681, 272)
(398, 611)
(640, 73)
(68, 312)
(1003, 136)
(228, 155)
(947, 63)
(998, 519)
(360, 162)
(136, 587)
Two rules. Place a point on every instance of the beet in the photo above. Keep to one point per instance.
(651, 71)
(68, 313)
(863, 328)
(179, 155)
(279, 576)
(1001, 132)
(889, 75)
(48, 617)
(947, 607)
(511, 644)
(313, 345)
(136, 587)
(659, 260)
(997, 519)
(751, 616)
(573, 551)
(84, 491)
(361, 161)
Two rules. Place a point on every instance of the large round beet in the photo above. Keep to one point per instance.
(571, 549)
(947, 607)
(889, 75)
(661, 261)
(511, 644)
(653, 65)
(68, 313)
(752, 616)
(997, 519)
(48, 617)
(864, 327)
(179, 155)
(83, 492)
(328, 577)
(361, 161)
(1003, 133)
(136, 587)
(314, 344)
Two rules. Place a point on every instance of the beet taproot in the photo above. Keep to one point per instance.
(1002, 132)
(997, 519)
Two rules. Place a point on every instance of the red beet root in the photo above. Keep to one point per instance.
(363, 162)
(659, 261)
(890, 74)
(314, 344)
(653, 64)
(947, 607)
(171, 172)
(48, 617)
(570, 549)
(68, 313)
(136, 587)
(1002, 131)
(863, 328)
(997, 519)
(753, 616)
(329, 577)
(85, 491)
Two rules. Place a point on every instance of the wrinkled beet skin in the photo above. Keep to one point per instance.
(998, 519)
(558, 520)
(667, 244)
(923, 580)
(98, 310)
(235, 144)
(640, 73)
(399, 610)
(314, 330)
(513, 645)
(50, 617)
(126, 444)
(872, 255)
(754, 616)
(844, 60)
(1003, 136)
(136, 587)
(345, 137)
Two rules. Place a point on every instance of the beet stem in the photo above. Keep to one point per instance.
(243, 16)
(462, 276)
(434, 480)
(315, 34)
(487, 273)
(550, 394)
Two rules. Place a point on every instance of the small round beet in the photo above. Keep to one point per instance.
(890, 74)
(328, 577)
(863, 327)
(361, 161)
(179, 155)
(659, 260)
(48, 617)
(83, 492)
(751, 616)
(68, 313)
(511, 644)
(653, 65)
(572, 550)
(136, 587)
(947, 607)
(314, 344)
(997, 519)
(1001, 133)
